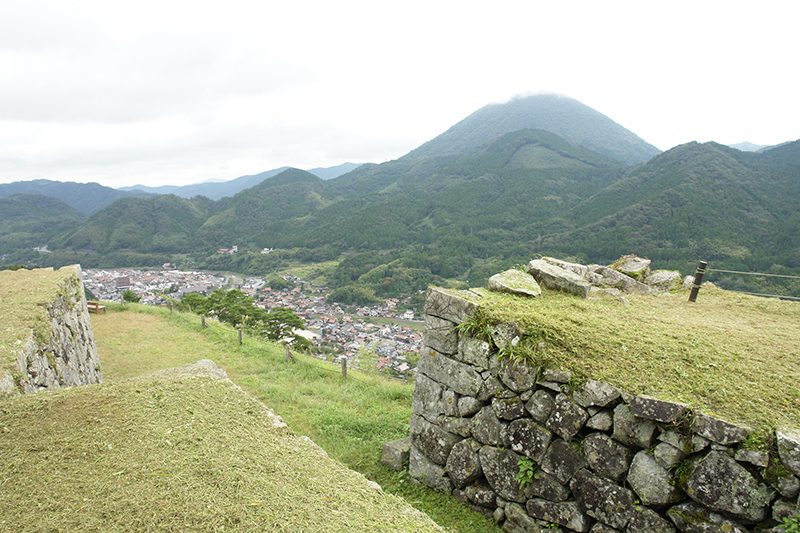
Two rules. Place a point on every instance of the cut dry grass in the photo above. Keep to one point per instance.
(186, 454)
(729, 355)
(349, 419)
(23, 294)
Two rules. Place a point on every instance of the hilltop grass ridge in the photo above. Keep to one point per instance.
(23, 294)
(727, 354)
(163, 453)
(349, 419)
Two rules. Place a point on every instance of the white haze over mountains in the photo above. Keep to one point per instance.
(178, 92)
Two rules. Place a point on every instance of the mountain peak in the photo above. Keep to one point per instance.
(558, 114)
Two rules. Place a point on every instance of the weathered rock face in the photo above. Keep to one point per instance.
(63, 353)
(598, 459)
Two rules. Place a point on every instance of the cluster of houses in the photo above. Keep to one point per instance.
(151, 286)
(390, 348)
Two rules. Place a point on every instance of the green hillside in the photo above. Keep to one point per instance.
(162, 223)
(558, 114)
(28, 220)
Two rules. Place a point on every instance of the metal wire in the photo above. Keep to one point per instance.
(753, 273)
(768, 295)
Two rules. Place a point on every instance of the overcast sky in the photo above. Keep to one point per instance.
(172, 93)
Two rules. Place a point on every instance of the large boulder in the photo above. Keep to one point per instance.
(723, 485)
(607, 457)
(515, 282)
(556, 278)
(464, 464)
(603, 500)
(501, 468)
(652, 482)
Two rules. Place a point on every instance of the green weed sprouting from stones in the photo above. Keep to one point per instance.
(528, 471)
(791, 525)
(475, 328)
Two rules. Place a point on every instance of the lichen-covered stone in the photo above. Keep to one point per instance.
(515, 282)
(648, 521)
(448, 305)
(395, 454)
(668, 456)
(450, 402)
(658, 410)
(664, 280)
(426, 399)
(789, 487)
(501, 468)
(652, 482)
(606, 457)
(481, 495)
(486, 427)
(504, 334)
(517, 376)
(464, 464)
(754, 457)
(427, 472)
(556, 278)
(602, 421)
(719, 431)
(490, 387)
(631, 430)
(789, 450)
(562, 460)
(441, 335)
(687, 444)
(567, 417)
(595, 392)
(602, 499)
(567, 514)
(432, 440)
(528, 438)
(720, 483)
(692, 518)
(517, 520)
(612, 278)
(474, 352)
(546, 487)
(508, 408)
(457, 425)
(469, 405)
(454, 375)
(540, 405)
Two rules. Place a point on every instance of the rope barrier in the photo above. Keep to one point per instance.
(768, 295)
(753, 273)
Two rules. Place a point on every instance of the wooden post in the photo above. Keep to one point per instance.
(344, 367)
(171, 309)
(289, 354)
(203, 321)
(698, 280)
(240, 336)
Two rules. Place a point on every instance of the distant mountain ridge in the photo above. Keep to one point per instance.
(88, 198)
(469, 207)
(217, 190)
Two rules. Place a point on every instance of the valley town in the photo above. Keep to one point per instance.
(381, 337)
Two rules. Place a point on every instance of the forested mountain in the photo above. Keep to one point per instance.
(162, 223)
(458, 207)
(88, 198)
(558, 114)
(28, 220)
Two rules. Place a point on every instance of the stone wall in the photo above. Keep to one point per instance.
(57, 348)
(592, 457)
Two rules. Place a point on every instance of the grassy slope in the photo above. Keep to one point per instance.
(22, 293)
(728, 354)
(350, 420)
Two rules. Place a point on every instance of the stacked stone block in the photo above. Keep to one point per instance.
(604, 461)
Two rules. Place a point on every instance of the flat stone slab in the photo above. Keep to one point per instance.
(448, 305)
(556, 278)
(515, 282)
(719, 431)
(658, 410)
